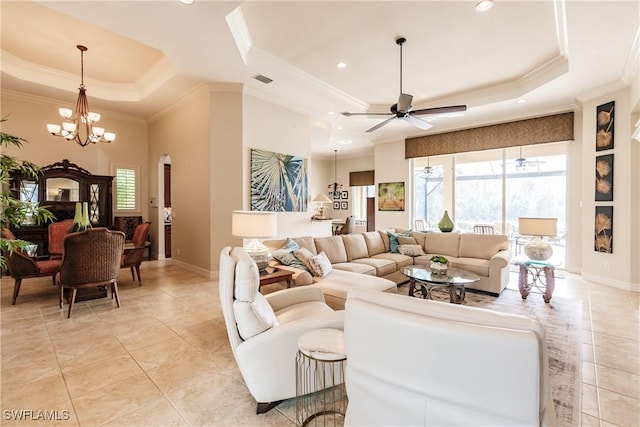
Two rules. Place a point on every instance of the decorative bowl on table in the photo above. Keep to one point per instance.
(439, 265)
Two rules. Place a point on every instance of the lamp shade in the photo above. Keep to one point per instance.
(538, 226)
(254, 224)
(322, 198)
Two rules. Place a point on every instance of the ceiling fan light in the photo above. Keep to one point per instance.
(484, 5)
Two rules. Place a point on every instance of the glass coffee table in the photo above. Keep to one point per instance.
(422, 280)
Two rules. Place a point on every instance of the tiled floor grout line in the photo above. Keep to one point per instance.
(593, 352)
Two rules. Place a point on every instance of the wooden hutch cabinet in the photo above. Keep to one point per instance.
(59, 187)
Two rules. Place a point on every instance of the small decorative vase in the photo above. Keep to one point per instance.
(446, 225)
(439, 267)
(81, 218)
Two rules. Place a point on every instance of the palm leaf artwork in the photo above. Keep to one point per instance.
(278, 182)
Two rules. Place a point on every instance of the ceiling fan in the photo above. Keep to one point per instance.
(402, 109)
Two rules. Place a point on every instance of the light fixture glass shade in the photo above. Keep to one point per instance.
(255, 225)
(53, 129)
(66, 113)
(537, 249)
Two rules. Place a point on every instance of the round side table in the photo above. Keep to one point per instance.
(321, 397)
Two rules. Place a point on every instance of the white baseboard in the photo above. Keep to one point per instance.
(607, 281)
(198, 270)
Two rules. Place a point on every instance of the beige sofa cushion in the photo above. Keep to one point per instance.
(333, 247)
(381, 267)
(307, 242)
(338, 283)
(385, 238)
(445, 244)
(399, 259)
(420, 237)
(375, 245)
(355, 267)
(355, 246)
(481, 245)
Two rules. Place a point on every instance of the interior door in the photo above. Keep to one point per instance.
(371, 214)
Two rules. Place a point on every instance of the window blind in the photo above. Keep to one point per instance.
(125, 189)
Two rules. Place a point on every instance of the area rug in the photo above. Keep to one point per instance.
(562, 319)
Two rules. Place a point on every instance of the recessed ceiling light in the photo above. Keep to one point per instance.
(332, 113)
(186, 1)
(345, 141)
(484, 5)
(341, 65)
(521, 101)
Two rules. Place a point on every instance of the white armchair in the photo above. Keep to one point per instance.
(419, 362)
(264, 330)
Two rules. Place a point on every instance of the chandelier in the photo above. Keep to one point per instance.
(81, 120)
(335, 187)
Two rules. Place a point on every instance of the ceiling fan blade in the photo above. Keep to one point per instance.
(440, 110)
(348, 114)
(419, 123)
(379, 125)
(404, 102)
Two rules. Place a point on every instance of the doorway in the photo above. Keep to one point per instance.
(165, 214)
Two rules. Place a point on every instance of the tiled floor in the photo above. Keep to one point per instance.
(163, 357)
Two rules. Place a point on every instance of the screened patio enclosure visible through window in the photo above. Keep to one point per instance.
(495, 187)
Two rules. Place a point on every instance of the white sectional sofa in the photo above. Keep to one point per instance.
(366, 260)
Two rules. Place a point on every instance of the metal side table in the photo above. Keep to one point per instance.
(535, 274)
(321, 397)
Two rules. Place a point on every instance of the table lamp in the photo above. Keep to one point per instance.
(537, 249)
(322, 199)
(255, 225)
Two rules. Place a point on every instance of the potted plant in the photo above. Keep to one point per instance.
(439, 264)
(14, 211)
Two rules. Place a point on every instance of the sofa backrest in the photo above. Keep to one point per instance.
(304, 242)
(375, 244)
(445, 244)
(482, 246)
(333, 247)
(474, 366)
(355, 245)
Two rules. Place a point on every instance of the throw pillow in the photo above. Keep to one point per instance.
(286, 256)
(304, 255)
(320, 265)
(411, 250)
(393, 239)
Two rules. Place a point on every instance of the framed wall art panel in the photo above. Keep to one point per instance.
(391, 196)
(603, 240)
(278, 182)
(604, 126)
(604, 178)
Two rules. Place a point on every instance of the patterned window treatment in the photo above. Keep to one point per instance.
(540, 130)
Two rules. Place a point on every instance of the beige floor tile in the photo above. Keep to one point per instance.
(588, 373)
(590, 400)
(618, 409)
(161, 414)
(617, 359)
(172, 350)
(81, 349)
(141, 333)
(618, 381)
(116, 400)
(614, 344)
(47, 393)
(83, 379)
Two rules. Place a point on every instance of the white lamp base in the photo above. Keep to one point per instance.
(259, 253)
(538, 250)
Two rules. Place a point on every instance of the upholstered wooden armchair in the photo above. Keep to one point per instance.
(132, 258)
(21, 266)
(57, 231)
(91, 258)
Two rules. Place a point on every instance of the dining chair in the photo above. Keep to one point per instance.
(132, 258)
(484, 229)
(91, 258)
(57, 231)
(420, 225)
(21, 266)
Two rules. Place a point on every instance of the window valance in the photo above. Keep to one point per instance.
(358, 179)
(540, 130)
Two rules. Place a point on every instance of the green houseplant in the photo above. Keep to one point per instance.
(15, 211)
(439, 264)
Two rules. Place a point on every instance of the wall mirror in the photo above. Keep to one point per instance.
(63, 190)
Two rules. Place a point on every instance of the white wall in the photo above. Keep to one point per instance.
(391, 166)
(274, 128)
